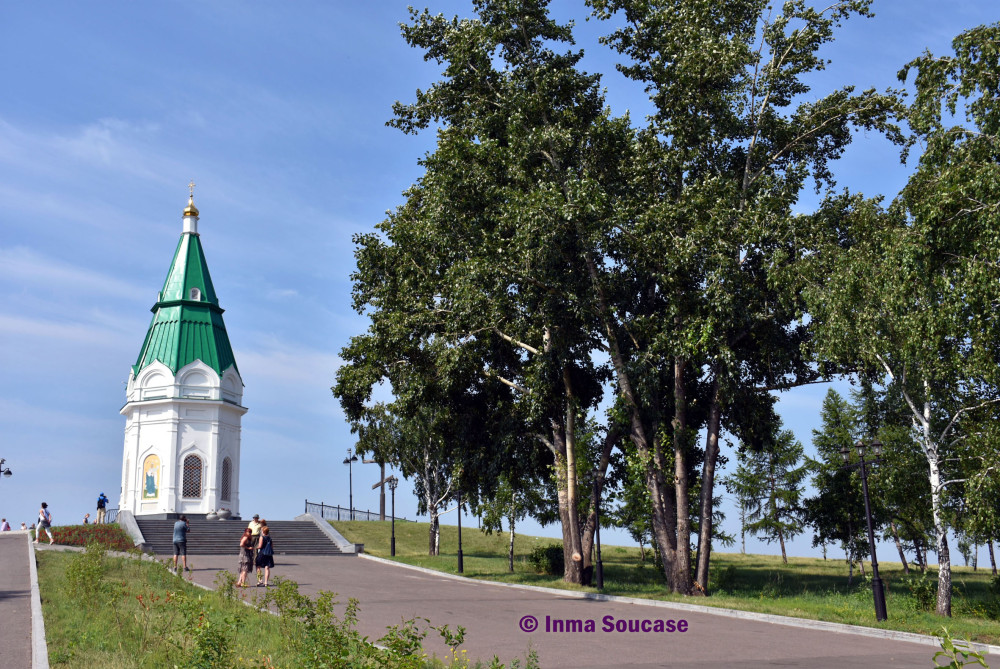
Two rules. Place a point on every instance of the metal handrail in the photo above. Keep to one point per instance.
(329, 512)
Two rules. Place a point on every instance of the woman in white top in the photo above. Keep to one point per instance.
(44, 523)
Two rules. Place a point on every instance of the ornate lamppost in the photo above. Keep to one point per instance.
(599, 567)
(349, 460)
(878, 590)
(393, 482)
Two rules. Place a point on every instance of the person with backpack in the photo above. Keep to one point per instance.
(102, 503)
(44, 524)
(265, 555)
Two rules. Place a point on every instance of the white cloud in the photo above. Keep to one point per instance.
(23, 266)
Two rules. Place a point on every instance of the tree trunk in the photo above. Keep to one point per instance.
(850, 566)
(707, 488)
(861, 563)
(781, 540)
(682, 561)
(434, 536)
(899, 547)
(510, 549)
(975, 557)
(941, 532)
(572, 552)
(921, 561)
(647, 442)
(993, 560)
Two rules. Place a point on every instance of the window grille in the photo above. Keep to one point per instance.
(227, 479)
(192, 476)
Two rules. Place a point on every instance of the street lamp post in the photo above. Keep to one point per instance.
(5, 472)
(349, 460)
(461, 566)
(878, 590)
(393, 482)
(599, 567)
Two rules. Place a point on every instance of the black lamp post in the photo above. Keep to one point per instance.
(349, 460)
(599, 567)
(393, 482)
(5, 471)
(461, 566)
(878, 590)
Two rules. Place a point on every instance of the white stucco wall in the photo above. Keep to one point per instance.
(169, 418)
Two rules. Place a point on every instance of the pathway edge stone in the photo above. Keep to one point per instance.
(39, 648)
(711, 610)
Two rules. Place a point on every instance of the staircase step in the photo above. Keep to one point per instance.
(222, 537)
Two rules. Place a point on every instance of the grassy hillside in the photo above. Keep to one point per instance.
(805, 587)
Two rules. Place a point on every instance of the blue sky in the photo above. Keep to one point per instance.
(277, 112)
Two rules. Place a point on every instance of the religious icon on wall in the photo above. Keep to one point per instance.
(151, 471)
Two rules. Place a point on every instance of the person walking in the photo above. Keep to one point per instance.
(44, 524)
(265, 555)
(246, 559)
(181, 529)
(254, 528)
(102, 504)
(4, 525)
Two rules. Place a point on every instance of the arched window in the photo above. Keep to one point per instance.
(227, 479)
(192, 476)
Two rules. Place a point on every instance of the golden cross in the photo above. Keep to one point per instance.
(191, 188)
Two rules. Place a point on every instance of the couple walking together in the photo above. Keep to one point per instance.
(257, 550)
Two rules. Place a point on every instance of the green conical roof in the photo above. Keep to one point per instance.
(187, 320)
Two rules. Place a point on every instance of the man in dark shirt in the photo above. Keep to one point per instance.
(102, 503)
(180, 542)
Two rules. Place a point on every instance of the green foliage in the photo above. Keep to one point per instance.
(958, 654)
(995, 585)
(770, 485)
(547, 559)
(923, 587)
(85, 575)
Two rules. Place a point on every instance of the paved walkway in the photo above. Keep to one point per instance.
(493, 616)
(15, 600)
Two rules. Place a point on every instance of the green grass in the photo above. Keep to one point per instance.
(126, 613)
(804, 588)
(138, 614)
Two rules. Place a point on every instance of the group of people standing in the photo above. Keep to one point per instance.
(256, 550)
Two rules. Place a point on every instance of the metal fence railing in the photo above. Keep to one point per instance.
(111, 516)
(328, 512)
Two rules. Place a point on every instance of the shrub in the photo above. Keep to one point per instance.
(995, 585)
(923, 588)
(547, 559)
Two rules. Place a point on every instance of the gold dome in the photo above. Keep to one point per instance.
(191, 210)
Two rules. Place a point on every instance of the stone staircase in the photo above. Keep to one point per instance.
(222, 537)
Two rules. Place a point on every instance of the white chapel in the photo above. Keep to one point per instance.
(184, 398)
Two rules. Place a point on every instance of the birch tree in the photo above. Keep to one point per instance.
(915, 296)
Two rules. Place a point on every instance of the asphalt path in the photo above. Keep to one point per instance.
(496, 617)
(15, 600)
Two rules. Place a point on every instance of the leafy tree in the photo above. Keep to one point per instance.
(769, 485)
(485, 257)
(696, 286)
(914, 297)
(837, 511)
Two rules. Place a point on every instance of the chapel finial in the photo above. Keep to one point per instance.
(191, 210)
